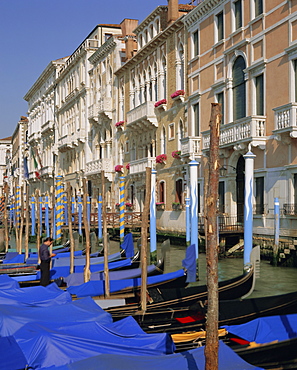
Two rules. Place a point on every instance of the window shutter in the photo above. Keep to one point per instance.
(239, 94)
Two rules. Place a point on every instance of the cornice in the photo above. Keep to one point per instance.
(103, 50)
(160, 9)
(46, 74)
(200, 11)
(152, 45)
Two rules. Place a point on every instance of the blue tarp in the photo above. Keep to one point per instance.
(12, 357)
(266, 329)
(189, 263)
(189, 360)
(45, 344)
(78, 278)
(19, 258)
(34, 296)
(128, 245)
(13, 317)
(79, 261)
(7, 282)
(97, 288)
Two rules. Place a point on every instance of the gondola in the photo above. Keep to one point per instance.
(239, 311)
(176, 297)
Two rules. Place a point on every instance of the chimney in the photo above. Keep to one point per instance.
(173, 14)
(127, 27)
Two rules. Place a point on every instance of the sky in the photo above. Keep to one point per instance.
(35, 32)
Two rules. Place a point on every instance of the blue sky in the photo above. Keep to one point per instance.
(34, 32)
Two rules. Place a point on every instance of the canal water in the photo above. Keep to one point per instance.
(273, 280)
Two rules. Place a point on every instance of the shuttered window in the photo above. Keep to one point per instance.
(220, 26)
(239, 93)
(238, 14)
(196, 43)
(221, 197)
(259, 95)
(258, 7)
(196, 119)
(162, 192)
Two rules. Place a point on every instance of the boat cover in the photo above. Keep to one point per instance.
(19, 258)
(189, 263)
(54, 344)
(13, 317)
(34, 296)
(266, 329)
(194, 360)
(128, 245)
(63, 271)
(7, 282)
(97, 288)
(80, 261)
(12, 356)
(78, 277)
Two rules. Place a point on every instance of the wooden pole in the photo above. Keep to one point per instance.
(53, 213)
(87, 273)
(105, 240)
(144, 234)
(27, 223)
(21, 220)
(212, 341)
(69, 200)
(38, 219)
(6, 191)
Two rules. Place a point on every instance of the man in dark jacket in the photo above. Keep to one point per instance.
(45, 260)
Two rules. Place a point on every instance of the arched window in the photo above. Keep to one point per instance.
(162, 192)
(163, 141)
(179, 191)
(180, 68)
(239, 93)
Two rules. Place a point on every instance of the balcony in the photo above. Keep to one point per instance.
(248, 130)
(285, 120)
(34, 136)
(139, 165)
(143, 117)
(191, 147)
(47, 127)
(93, 112)
(105, 107)
(46, 171)
(95, 167)
(65, 143)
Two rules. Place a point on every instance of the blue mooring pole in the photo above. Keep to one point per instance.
(100, 217)
(194, 203)
(188, 222)
(248, 208)
(153, 226)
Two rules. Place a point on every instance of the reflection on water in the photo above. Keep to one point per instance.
(272, 281)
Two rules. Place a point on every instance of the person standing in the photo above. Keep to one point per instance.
(45, 260)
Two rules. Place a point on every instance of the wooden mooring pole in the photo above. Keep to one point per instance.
(105, 239)
(6, 191)
(144, 234)
(87, 273)
(27, 222)
(212, 341)
(69, 200)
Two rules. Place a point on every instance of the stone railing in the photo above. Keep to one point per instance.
(191, 146)
(48, 126)
(248, 129)
(98, 165)
(145, 111)
(140, 165)
(285, 119)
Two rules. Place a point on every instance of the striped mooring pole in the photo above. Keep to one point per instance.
(18, 207)
(33, 216)
(46, 217)
(122, 211)
(59, 210)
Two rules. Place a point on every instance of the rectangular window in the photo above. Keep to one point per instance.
(196, 43)
(171, 131)
(259, 95)
(295, 79)
(259, 195)
(220, 26)
(238, 14)
(221, 197)
(258, 7)
(220, 100)
(196, 119)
